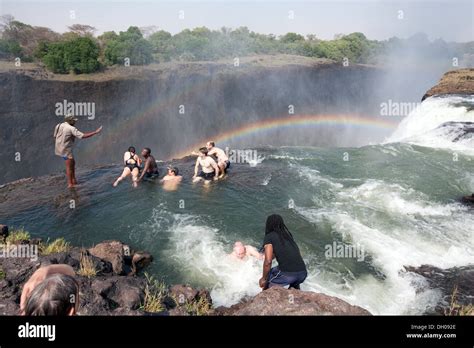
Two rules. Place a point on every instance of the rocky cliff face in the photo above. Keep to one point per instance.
(459, 81)
(170, 107)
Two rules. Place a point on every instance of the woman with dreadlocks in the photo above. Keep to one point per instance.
(279, 243)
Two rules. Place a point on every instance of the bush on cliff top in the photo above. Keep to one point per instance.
(128, 44)
(78, 55)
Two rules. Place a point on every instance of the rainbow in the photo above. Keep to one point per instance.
(292, 121)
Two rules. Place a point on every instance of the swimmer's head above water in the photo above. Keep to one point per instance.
(173, 171)
(239, 250)
(146, 152)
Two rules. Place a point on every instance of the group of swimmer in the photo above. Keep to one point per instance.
(207, 168)
(133, 164)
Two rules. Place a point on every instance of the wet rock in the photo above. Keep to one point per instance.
(3, 232)
(9, 308)
(459, 81)
(468, 199)
(184, 293)
(65, 258)
(179, 311)
(112, 251)
(447, 280)
(17, 270)
(104, 294)
(280, 301)
(129, 292)
(140, 260)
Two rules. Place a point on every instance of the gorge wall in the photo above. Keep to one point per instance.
(141, 106)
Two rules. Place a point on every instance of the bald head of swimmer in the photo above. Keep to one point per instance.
(239, 250)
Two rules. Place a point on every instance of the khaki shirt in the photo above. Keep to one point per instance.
(65, 134)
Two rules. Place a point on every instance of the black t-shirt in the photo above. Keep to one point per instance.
(287, 253)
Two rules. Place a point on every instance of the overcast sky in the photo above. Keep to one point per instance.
(451, 20)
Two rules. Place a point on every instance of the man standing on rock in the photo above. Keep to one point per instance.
(65, 133)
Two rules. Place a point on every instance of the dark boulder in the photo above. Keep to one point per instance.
(112, 251)
(447, 281)
(280, 301)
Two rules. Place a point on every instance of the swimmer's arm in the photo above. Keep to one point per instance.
(267, 264)
(196, 167)
(211, 152)
(253, 252)
(145, 169)
(138, 160)
(216, 169)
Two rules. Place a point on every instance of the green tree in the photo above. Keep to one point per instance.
(161, 43)
(9, 49)
(128, 44)
(78, 55)
(291, 37)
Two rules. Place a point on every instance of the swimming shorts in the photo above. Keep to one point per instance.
(151, 176)
(207, 176)
(279, 278)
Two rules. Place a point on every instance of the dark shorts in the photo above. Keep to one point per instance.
(207, 176)
(280, 278)
(152, 175)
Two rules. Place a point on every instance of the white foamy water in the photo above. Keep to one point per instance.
(396, 226)
(432, 113)
(397, 201)
(205, 258)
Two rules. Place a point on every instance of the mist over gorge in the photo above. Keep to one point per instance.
(172, 106)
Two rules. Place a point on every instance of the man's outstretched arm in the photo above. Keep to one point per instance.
(91, 134)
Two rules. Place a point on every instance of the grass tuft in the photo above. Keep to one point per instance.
(200, 307)
(455, 309)
(87, 267)
(57, 246)
(17, 236)
(155, 293)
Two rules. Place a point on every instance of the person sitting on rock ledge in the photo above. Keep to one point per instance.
(209, 169)
(150, 169)
(51, 290)
(279, 243)
(132, 167)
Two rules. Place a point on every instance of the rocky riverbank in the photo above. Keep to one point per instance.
(455, 285)
(113, 281)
